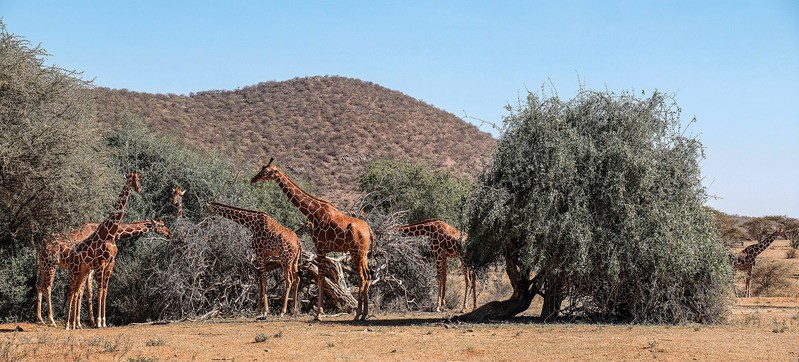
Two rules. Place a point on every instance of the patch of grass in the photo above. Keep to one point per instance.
(330, 344)
(155, 342)
(792, 253)
(278, 334)
(778, 327)
(142, 359)
(261, 337)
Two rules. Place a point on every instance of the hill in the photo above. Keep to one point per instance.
(325, 129)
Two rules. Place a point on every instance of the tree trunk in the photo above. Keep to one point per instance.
(553, 297)
(524, 290)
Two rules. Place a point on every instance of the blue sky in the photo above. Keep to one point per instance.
(733, 65)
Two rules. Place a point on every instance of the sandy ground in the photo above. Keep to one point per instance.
(759, 329)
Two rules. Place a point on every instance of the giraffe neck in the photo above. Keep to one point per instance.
(764, 244)
(180, 209)
(133, 229)
(247, 218)
(304, 202)
(112, 222)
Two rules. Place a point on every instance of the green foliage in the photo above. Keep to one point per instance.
(422, 191)
(17, 281)
(602, 196)
(48, 146)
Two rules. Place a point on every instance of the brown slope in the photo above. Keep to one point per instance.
(326, 129)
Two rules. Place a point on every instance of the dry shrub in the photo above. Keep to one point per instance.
(772, 279)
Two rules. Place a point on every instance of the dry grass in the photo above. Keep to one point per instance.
(773, 322)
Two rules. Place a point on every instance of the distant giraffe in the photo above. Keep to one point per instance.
(55, 253)
(331, 230)
(746, 259)
(177, 200)
(97, 252)
(445, 242)
(269, 238)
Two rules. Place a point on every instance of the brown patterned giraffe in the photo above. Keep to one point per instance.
(97, 252)
(177, 200)
(445, 242)
(269, 238)
(746, 259)
(331, 230)
(55, 252)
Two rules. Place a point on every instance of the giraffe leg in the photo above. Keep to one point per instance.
(320, 257)
(288, 273)
(296, 286)
(39, 307)
(441, 271)
(748, 282)
(362, 267)
(90, 298)
(262, 296)
(106, 278)
(474, 289)
(50, 306)
(467, 284)
(44, 286)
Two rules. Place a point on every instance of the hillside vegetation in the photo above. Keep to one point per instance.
(324, 129)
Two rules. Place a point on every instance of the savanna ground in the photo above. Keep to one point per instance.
(759, 328)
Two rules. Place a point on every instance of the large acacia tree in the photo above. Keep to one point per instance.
(596, 204)
(52, 173)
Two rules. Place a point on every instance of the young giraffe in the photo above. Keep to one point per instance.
(269, 238)
(331, 230)
(445, 242)
(55, 253)
(746, 258)
(97, 252)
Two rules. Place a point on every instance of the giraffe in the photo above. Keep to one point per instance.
(746, 259)
(97, 252)
(56, 251)
(177, 200)
(269, 238)
(331, 231)
(445, 242)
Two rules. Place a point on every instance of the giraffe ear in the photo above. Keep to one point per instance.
(182, 192)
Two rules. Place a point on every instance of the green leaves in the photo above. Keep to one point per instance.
(603, 190)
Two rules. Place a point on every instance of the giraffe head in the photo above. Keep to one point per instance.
(160, 227)
(177, 196)
(781, 232)
(268, 173)
(134, 182)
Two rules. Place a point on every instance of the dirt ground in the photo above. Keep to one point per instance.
(759, 329)
(763, 328)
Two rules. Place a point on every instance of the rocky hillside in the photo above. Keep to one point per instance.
(326, 129)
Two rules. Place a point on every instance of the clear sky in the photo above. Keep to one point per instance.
(734, 65)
